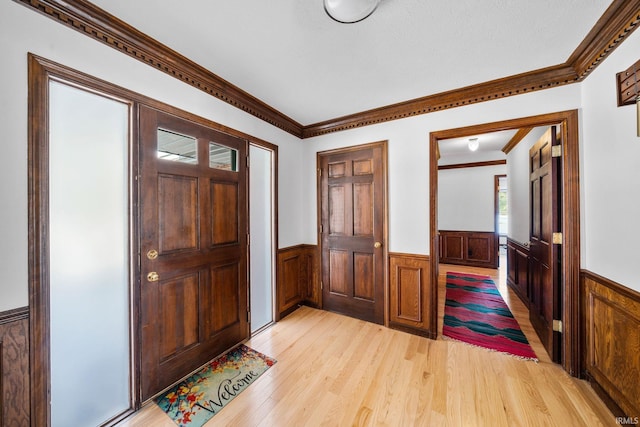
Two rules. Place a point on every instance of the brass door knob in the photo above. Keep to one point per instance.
(153, 277)
(377, 245)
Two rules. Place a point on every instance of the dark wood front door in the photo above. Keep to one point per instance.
(545, 301)
(353, 202)
(193, 246)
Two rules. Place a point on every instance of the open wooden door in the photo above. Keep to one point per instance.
(352, 214)
(546, 239)
(193, 246)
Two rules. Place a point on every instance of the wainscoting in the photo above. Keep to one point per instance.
(14, 368)
(410, 294)
(611, 342)
(297, 281)
(472, 248)
(518, 269)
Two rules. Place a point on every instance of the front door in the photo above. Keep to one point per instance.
(193, 245)
(545, 255)
(353, 203)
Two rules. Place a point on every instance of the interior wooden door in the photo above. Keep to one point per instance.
(193, 246)
(545, 255)
(353, 202)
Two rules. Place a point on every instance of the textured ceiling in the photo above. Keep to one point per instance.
(291, 55)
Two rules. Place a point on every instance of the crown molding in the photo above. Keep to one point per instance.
(619, 20)
(89, 19)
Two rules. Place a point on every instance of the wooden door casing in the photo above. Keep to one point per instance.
(352, 193)
(545, 261)
(195, 217)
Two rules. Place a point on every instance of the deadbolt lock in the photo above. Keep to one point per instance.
(152, 254)
(377, 245)
(153, 277)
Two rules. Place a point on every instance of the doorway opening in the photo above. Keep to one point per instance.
(568, 121)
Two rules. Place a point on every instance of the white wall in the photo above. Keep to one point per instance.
(409, 158)
(466, 198)
(610, 173)
(23, 30)
(518, 186)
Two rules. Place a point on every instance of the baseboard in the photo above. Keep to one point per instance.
(14, 368)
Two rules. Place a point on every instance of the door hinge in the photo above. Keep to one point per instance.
(557, 325)
(321, 285)
(557, 238)
(321, 229)
(248, 160)
(249, 316)
(319, 172)
(556, 151)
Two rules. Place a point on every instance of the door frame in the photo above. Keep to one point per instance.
(40, 72)
(571, 312)
(385, 215)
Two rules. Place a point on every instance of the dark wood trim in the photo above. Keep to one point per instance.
(38, 244)
(611, 315)
(628, 85)
(570, 220)
(473, 165)
(14, 315)
(14, 368)
(300, 286)
(385, 191)
(96, 23)
(416, 299)
(519, 136)
(618, 21)
(520, 272)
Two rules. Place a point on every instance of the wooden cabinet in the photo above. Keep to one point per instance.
(518, 269)
(410, 294)
(473, 248)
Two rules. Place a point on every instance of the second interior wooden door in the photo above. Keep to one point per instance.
(352, 198)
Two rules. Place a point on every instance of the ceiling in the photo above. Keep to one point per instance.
(292, 56)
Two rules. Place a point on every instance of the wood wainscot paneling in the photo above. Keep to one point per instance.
(410, 294)
(14, 368)
(611, 340)
(472, 248)
(297, 281)
(518, 269)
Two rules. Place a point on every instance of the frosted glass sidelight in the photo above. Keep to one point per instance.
(89, 261)
(261, 235)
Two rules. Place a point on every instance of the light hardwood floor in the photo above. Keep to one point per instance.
(336, 371)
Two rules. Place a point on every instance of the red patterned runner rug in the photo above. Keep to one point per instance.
(475, 313)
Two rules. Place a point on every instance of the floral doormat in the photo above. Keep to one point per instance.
(198, 398)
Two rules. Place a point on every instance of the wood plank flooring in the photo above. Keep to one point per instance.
(333, 370)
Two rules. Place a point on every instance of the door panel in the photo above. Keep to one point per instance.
(545, 261)
(352, 203)
(194, 213)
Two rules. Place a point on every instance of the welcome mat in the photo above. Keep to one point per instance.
(475, 313)
(197, 399)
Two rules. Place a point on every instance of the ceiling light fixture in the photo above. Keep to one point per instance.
(350, 11)
(473, 144)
